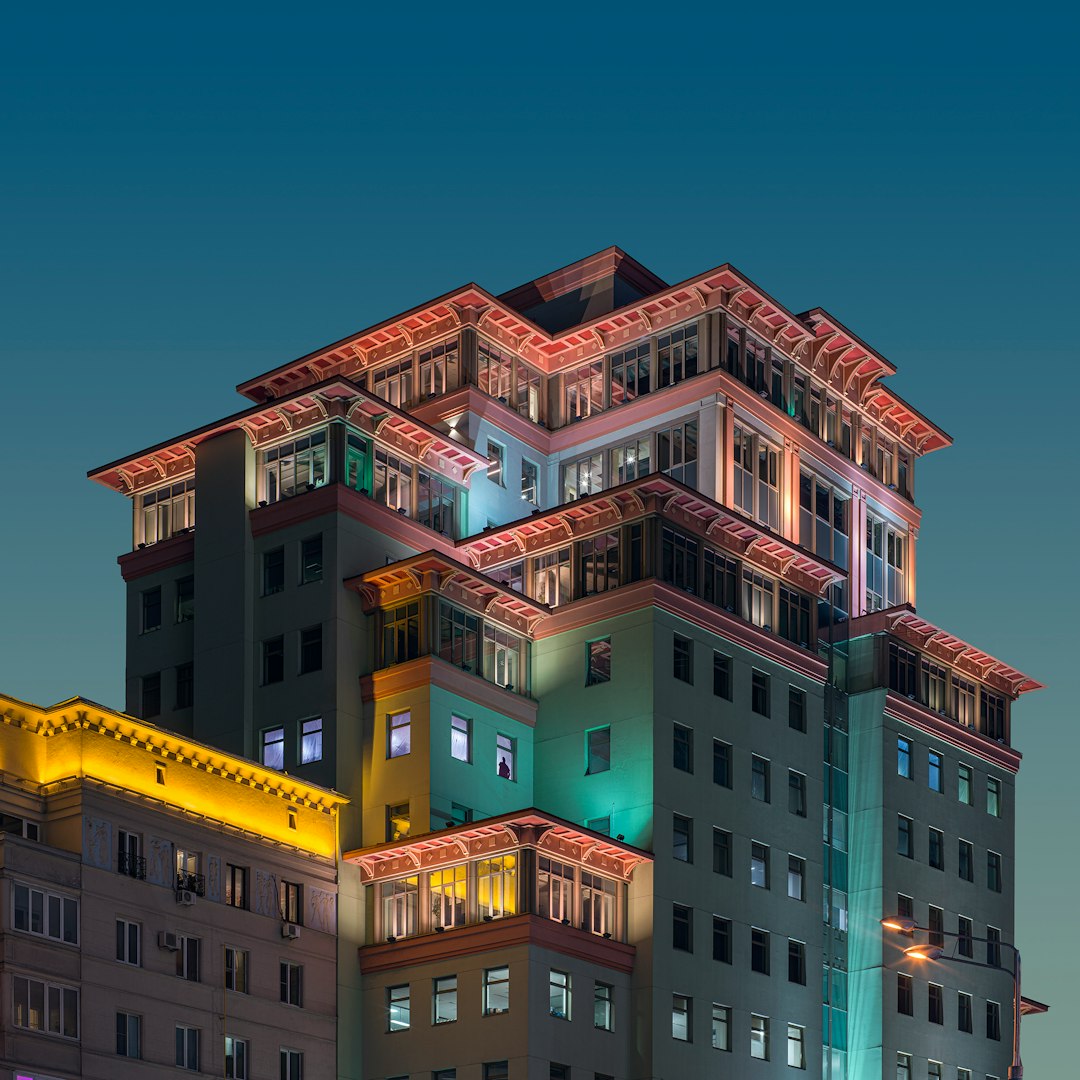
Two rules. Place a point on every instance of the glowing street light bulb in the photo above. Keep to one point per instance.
(899, 923)
(923, 952)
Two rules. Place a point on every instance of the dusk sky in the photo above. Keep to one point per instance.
(191, 197)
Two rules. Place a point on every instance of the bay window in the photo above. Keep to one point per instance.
(167, 511)
(293, 467)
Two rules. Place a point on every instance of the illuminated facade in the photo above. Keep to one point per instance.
(626, 569)
(166, 906)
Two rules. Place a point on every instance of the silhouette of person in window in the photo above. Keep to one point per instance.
(504, 768)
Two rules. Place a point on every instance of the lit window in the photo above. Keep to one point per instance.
(903, 757)
(993, 796)
(933, 775)
(504, 756)
(603, 1007)
(444, 1000)
(398, 1008)
(759, 1037)
(796, 877)
(597, 750)
(399, 734)
(903, 1066)
(61, 1017)
(796, 1047)
(398, 821)
(759, 865)
(497, 468)
(311, 560)
(273, 748)
(721, 1027)
(530, 487)
(235, 886)
(289, 896)
(598, 661)
(681, 1018)
(964, 784)
(559, 994)
(461, 738)
(311, 733)
(448, 888)
(496, 990)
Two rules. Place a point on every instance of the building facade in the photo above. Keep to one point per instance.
(626, 568)
(167, 908)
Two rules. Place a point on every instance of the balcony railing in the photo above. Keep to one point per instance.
(132, 865)
(195, 883)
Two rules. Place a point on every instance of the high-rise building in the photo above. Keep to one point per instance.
(597, 598)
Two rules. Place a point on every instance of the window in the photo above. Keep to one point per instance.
(311, 560)
(46, 914)
(46, 1007)
(168, 511)
(993, 871)
(796, 962)
(504, 756)
(796, 709)
(759, 865)
(497, 469)
(965, 945)
(993, 796)
(677, 452)
(292, 1065)
(993, 1021)
(905, 908)
(448, 888)
(721, 1027)
(441, 1074)
(903, 666)
(721, 763)
(933, 775)
(597, 750)
(993, 946)
(235, 886)
(796, 877)
(903, 757)
(966, 861)
(236, 1058)
(721, 848)
(676, 355)
(461, 738)
(555, 889)
(444, 1000)
(273, 748)
(796, 1047)
(291, 899)
(530, 482)
(759, 951)
(398, 1008)
(963, 1012)
(964, 784)
(683, 748)
(759, 693)
(273, 571)
(401, 633)
(935, 1005)
(904, 1001)
(679, 560)
(294, 467)
(273, 660)
(682, 659)
(903, 1066)
(603, 1007)
(128, 942)
(796, 793)
(681, 1018)
(721, 939)
(291, 979)
(757, 478)
(496, 989)
(236, 969)
(721, 676)
(496, 1070)
(759, 1037)
(151, 609)
(937, 926)
(310, 650)
(937, 849)
(759, 779)
(933, 1070)
(128, 1035)
(151, 695)
(559, 994)
(905, 844)
(187, 1047)
(436, 503)
(185, 599)
(964, 1074)
(598, 661)
(187, 958)
(992, 715)
(398, 734)
(311, 737)
(682, 838)
(185, 685)
(885, 548)
(682, 928)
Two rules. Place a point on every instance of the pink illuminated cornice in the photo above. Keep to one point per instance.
(175, 551)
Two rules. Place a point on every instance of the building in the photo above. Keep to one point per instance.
(628, 568)
(165, 906)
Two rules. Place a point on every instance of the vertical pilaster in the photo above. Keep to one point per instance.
(909, 570)
(789, 494)
(710, 437)
(857, 554)
(726, 449)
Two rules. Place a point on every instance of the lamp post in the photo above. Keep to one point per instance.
(904, 925)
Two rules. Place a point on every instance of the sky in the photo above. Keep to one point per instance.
(189, 198)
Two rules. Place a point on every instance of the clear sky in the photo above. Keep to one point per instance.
(190, 197)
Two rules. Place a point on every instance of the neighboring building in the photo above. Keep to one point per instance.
(627, 565)
(165, 906)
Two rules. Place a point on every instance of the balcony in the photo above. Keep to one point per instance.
(195, 883)
(131, 865)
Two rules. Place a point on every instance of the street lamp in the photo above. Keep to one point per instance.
(903, 925)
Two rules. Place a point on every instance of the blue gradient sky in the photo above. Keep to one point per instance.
(187, 200)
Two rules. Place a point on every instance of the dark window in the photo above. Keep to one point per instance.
(796, 962)
(759, 951)
(682, 838)
(185, 599)
(937, 927)
(905, 844)
(992, 715)
(311, 560)
(904, 1002)
(721, 763)
(966, 861)
(993, 1021)
(721, 852)
(678, 560)
(151, 609)
(683, 748)
(903, 757)
(273, 571)
(721, 939)
(185, 686)
(310, 650)
(682, 659)
(681, 936)
(937, 849)
(720, 586)
(721, 676)
(993, 946)
(965, 944)
(597, 750)
(151, 695)
(759, 779)
(796, 709)
(903, 666)
(598, 661)
(794, 617)
(401, 633)
(759, 693)
(273, 660)
(936, 1006)
(993, 871)
(796, 793)
(963, 1012)
(933, 770)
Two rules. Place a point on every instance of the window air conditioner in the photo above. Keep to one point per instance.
(167, 939)
(290, 930)
(185, 897)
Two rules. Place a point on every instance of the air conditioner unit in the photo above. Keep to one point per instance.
(290, 930)
(186, 897)
(167, 939)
